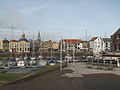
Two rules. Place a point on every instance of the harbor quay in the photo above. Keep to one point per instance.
(79, 77)
(59, 45)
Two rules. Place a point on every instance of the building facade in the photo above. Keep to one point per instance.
(5, 45)
(115, 38)
(55, 46)
(13, 45)
(68, 45)
(83, 46)
(1, 45)
(95, 45)
(23, 44)
(106, 44)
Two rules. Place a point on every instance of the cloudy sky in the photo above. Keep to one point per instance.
(57, 18)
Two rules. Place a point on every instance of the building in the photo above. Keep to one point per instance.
(83, 46)
(50, 45)
(37, 43)
(115, 38)
(106, 44)
(45, 46)
(95, 45)
(13, 45)
(5, 45)
(1, 45)
(23, 44)
(55, 46)
(68, 45)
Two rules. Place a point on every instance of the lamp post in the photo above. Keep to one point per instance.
(61, 57)
(73, 55)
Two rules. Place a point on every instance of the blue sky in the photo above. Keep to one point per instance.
(57, 18)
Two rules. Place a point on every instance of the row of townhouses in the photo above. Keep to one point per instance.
(94, 45)
(24, 45)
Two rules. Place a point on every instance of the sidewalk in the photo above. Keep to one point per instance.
(81, 69)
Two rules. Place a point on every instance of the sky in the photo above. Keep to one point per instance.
(57, 19)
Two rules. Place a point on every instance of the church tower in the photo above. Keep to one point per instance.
(39, 38)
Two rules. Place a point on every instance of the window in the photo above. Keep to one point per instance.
(118, 36)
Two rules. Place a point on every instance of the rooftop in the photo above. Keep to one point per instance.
(72, 40)
(13, 41)
(94, 38)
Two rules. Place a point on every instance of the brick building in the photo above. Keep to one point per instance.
(115, 38)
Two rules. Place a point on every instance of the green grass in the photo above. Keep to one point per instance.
(6, 78)
(9, 77)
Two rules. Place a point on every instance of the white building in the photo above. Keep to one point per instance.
(13, 45)
(83, 46)
(96, 45)
(71, 44)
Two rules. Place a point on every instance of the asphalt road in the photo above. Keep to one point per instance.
(54, 81)
(49, 81)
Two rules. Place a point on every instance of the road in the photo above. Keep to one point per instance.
(49, 81)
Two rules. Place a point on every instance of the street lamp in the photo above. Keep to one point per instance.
(61, 57)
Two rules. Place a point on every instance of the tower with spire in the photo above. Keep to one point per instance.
(39, 38)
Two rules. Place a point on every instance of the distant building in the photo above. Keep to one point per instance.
(1, 45)
(95, 45)
(106, 44)
(55, 46)
(83, 46)
(50, 45)
(70, 44)
(37, 43)
(115, 38)
(5, 47)
(23, 44)
(13, 45)
(45, 46)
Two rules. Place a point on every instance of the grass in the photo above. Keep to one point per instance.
(7, 78)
